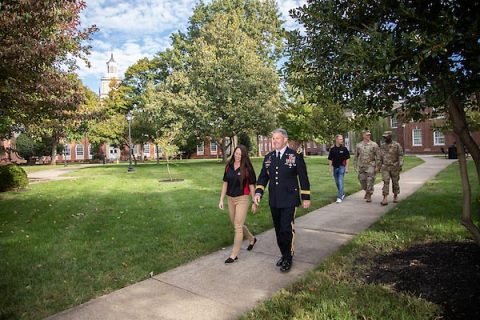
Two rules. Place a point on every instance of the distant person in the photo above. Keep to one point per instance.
(366, 158)
(390, 164)
(338, 159)
(283, 169)
(238, 184)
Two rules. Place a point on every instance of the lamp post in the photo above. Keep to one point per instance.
(130, 149)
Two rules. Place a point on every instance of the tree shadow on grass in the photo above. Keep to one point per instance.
(445, 273)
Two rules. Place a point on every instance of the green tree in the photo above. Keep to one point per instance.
(108, 124)
(235, 88)
(260, 20)
(39, 44)
(370, 54)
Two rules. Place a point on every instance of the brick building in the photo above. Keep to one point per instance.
(423, 137)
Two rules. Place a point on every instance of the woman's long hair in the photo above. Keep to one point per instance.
(246, 166)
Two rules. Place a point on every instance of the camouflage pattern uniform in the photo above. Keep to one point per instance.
(390, 164)
(366, 159)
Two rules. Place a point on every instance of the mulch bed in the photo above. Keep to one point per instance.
(446, 273)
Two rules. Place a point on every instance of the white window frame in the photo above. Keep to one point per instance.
(79, 151)
(213, 150)
(417, 144)
(146, 148)
(201, 148)
(393, 122)
(90, 154)
(438, 135)
(67, 152)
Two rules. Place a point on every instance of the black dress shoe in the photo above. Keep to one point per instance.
(279, 262)
(286, 266)
(250, 246)
(230, 260)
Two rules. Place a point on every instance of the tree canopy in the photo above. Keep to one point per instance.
(39, 44)
(369, 54)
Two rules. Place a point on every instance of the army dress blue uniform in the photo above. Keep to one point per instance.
(283, 176)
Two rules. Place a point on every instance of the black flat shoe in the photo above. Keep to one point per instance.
(286, 266)
(230, 260)
(250, 246)
(279, 262)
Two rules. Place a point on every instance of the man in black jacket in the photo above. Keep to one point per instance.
(283, 169)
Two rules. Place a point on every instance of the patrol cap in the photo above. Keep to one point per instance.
(366, 131)
(387, 134)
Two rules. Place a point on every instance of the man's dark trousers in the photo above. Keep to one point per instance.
(283, 221)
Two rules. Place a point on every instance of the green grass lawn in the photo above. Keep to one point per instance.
(63, 243)
(333, 290)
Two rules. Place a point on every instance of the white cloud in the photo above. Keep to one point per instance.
(139, 28)
(285, 6)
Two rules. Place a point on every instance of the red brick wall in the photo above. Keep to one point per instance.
(404, 136)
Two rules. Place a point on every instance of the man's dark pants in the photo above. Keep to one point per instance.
(283, 221)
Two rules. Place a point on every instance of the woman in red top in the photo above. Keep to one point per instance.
(238, 184)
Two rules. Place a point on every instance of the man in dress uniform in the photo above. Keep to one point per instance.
(283, 169)
(390, 164)
(367, 155)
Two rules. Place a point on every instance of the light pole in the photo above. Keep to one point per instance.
(130, 149)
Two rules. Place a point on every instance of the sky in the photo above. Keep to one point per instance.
(135, 29)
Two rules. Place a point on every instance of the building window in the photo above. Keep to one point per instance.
(67, 150)
(213, 147)
(438, 138)
(90, 151)
(229, 148)
(309, 144)
(417, 137)
(201, 148)
(393, 122)
(135, 149)
(79, 150)
(261, 147)
(146, 148)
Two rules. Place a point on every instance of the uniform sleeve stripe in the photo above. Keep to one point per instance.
(304, 191)
(259, 186)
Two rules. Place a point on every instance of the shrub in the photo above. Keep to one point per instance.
(12, 177)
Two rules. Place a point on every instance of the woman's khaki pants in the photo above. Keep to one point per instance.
(237, 209)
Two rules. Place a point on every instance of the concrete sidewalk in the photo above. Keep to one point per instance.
(208, 289)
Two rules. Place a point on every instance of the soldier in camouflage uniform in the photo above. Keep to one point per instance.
(390, 164)
(366, 159)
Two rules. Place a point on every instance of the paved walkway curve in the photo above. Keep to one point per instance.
(208, 289)
(56, 173)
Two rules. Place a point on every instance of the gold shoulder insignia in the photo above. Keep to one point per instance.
(299, 151)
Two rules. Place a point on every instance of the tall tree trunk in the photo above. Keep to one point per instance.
(53, 156)
(168, 168)
(158, 155)
(258, 146)
(224, 150)
(464, 139)
(466, 219)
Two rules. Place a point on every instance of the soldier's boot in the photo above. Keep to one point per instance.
(384, 201)
(368, 197)
(395, 198)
